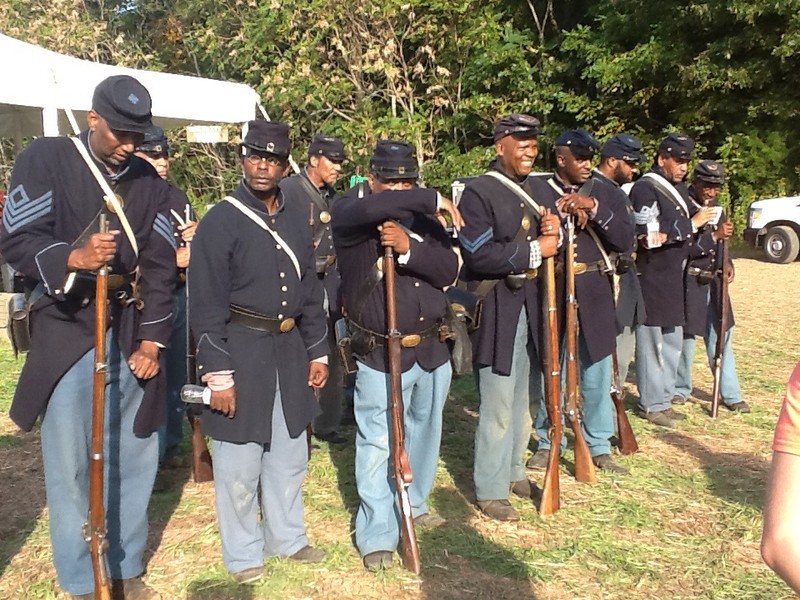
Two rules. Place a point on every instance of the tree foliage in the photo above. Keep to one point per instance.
(438, 73)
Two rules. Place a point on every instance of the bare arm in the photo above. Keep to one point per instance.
(780, 543)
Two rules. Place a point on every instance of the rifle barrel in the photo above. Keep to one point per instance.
(95, 533)
(400, 466)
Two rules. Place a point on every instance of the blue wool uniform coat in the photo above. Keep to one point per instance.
(235, 261)
(661, 269)
(53, 197)
(702, 255)
(615, 229)
(296, 190)
(630, 303)
(492, 214)
(433, 265)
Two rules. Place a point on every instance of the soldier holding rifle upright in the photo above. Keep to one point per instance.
(49, 233)
(256, 313)
(503, 242)
(603, 228)
(392, 211)
(702, 290)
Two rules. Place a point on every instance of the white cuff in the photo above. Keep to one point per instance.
(322, 360)
(535, 256)
(402, 259)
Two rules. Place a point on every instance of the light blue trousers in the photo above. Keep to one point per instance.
(729, 389)
(130, 469)
(245, 472)
(424, 394)
(658, 351)
(597, 416)
(504, 422)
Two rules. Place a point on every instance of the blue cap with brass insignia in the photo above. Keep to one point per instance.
(579, 141)
(709, 172)
(155, 142)
(267, 136)
(394, 160)
(624, 147)
(124, 103)
(519, 125)
(677, 145)
(330, 147)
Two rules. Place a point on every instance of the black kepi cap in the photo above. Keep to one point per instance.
(394, 160)
(124, 103)
(328, 146)
(709, 172)
(579, 141)
(518, 125)
(624, 147)
(267, 136)
(155, 142)
(677, 145)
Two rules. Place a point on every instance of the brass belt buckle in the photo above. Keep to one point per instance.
(411, 340)
(580, 268)
(115, 281)
(531, 273)
(287, 325)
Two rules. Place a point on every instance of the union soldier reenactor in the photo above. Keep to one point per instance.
(665, 229)
(394, 212)
(155, 150)
(619, 160)
(604, 229)
(702, 290)
(312, 190)
(257, 315)
(503, 242)
(50, 233)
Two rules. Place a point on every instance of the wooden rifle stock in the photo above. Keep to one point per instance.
(202, 468)
(551, 492)
(584, 468)
(401, 470)
(722, 326)
(95, 527)
(627, 440)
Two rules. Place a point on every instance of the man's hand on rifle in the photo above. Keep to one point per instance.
(187, 231)
(98, 250)
(224, 401)
(548, 234)
(317, 375)
(447, 206)
(182, 257)
(144, 361)
(724, 231)
(395, 236)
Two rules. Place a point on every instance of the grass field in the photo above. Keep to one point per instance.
(685, 523)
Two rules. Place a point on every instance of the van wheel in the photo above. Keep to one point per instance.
(781, 244)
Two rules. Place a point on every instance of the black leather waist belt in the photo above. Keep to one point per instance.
(600, 265)
(409, 340)
(697, 272)
(253, 320)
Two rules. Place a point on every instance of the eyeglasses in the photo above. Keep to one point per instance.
(272, 160)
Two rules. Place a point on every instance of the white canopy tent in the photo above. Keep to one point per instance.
(36, 85)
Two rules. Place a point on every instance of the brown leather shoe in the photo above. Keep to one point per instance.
(674, 414)
(136, 589)
(499, 510)
(429, 520)
(309, 554)
(250, 575)
(740, 407)
(606, 463)
(523, 488)
(660, 418)
(375, 561)
(538, 462)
